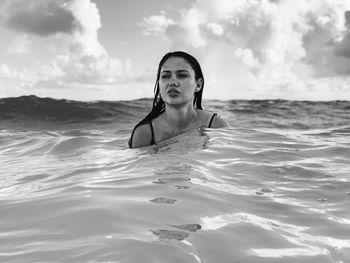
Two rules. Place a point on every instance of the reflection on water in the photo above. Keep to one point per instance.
(249, 195)
(171, 234)
(162, 200)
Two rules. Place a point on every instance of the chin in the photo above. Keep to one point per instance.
(174, 102)
(172, 99)
(178, 101)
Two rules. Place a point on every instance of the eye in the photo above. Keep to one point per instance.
(182, 75)
(165, 76)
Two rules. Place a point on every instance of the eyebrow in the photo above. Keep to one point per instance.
(169, 71)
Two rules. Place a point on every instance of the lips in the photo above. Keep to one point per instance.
(173, 91)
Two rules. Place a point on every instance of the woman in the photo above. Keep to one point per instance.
(177, 102)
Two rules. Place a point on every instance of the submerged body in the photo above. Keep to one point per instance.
(158, 129)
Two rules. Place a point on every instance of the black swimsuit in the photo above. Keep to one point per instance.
(152, 131)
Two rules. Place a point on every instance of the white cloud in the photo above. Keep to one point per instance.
(192, 22)
(90, 68)
(72, 27)
(247, 57)
(38, 17)
(280, 44)
(86, 40)
(20, 44)
(23, 76)
(15, 82)
(85, 59)
(5, 71)
(156, 24)
(215, 28)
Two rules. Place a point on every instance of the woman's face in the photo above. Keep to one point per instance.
(177, 83)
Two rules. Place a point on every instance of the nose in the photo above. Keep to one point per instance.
(173, 82)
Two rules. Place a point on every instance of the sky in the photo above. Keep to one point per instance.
(110, 49)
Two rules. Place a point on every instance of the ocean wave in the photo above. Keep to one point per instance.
(29, 112)
(33, 110)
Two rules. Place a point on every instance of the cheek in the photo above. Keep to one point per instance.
(191, 86)
(161, 86)
(161, 90)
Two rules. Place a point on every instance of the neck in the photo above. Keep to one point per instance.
(180, 117)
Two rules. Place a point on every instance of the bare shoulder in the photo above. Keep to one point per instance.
(142, 136)
(219, 122)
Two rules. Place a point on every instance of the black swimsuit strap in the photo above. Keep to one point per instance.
(211, 120)
(152, 131)
(130, 139)
(132, 135)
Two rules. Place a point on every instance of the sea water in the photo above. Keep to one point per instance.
(273, 188)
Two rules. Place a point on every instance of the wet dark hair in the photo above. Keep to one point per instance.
(158, 106)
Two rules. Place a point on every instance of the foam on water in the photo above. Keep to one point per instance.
(265, 190)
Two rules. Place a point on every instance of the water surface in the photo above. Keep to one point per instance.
(273, 188)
